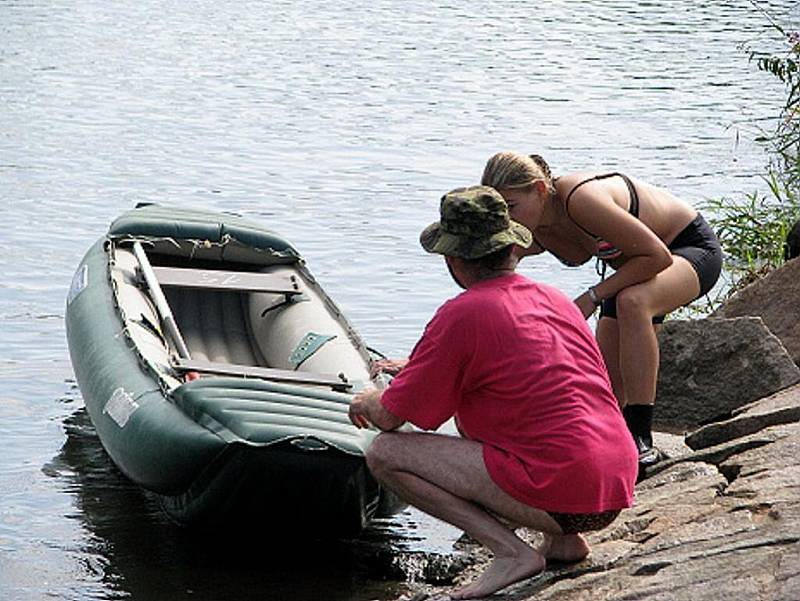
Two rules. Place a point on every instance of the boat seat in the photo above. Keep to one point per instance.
(235, 281)
(264, 373)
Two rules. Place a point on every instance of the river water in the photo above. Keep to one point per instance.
(339, 124)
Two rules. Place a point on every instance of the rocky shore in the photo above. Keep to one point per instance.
(719, 519)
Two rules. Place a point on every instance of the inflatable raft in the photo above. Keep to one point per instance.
(218, 374)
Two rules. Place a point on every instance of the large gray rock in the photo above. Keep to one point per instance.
(710, 367)
(774, 299)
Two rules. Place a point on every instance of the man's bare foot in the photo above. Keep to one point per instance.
(564, 547)
(502, 572)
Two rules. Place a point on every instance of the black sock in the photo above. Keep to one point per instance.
(639, 419)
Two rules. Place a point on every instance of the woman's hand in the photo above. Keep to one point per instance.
(586, 305)
(387, 366)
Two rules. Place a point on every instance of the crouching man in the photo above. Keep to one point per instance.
(543, 443)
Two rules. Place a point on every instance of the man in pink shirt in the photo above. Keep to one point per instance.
(543, 443)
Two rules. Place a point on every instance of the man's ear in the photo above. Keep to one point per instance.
(454, 262)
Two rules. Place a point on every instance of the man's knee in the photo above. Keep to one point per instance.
(382, 453)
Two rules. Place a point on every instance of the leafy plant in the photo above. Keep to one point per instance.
(753, 230)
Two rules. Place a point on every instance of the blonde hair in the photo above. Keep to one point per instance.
(509, 170)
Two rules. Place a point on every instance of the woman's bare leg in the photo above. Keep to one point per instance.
(634, 368)
(638, 344)
(446, 477)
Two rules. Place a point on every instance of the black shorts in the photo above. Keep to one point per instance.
(698, 244)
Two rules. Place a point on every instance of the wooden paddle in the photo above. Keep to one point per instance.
(162, 307)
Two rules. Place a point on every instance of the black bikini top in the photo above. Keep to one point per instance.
(605, 250)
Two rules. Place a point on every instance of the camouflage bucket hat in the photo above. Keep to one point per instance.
(474, 222)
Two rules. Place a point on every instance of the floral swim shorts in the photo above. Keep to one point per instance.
(573, 523)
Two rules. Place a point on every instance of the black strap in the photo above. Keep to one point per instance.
(633, 209)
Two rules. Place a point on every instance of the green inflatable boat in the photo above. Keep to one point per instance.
(218, 375)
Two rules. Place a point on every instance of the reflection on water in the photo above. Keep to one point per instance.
(131, 549)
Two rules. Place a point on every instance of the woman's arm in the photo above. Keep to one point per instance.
(594, 209)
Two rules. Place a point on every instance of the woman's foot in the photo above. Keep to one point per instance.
(564, 547)
(502, 572)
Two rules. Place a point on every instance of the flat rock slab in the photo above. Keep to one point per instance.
(671, 445)
(711, 367)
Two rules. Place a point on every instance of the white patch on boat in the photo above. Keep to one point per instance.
(120, 407)
(79, 281)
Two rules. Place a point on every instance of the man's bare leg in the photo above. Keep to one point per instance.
(446, 477)
(564, 547)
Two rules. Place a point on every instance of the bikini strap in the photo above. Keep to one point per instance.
(579, 184)
(633, 209)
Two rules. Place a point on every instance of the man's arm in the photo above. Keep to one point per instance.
(366, 409)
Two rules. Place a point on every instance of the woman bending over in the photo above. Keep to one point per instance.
(663, 252)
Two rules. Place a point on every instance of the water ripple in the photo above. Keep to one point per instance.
(338, 124)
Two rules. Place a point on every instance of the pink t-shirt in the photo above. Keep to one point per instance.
(517, 364)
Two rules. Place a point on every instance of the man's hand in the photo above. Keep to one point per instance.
(387, 366)
(361, 406)
(366, 410)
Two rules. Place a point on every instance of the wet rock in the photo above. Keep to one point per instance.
(711, 367)
(419, 567)
(773, 298)
(416, 596)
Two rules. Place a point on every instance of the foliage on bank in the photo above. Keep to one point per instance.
(753, 230)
